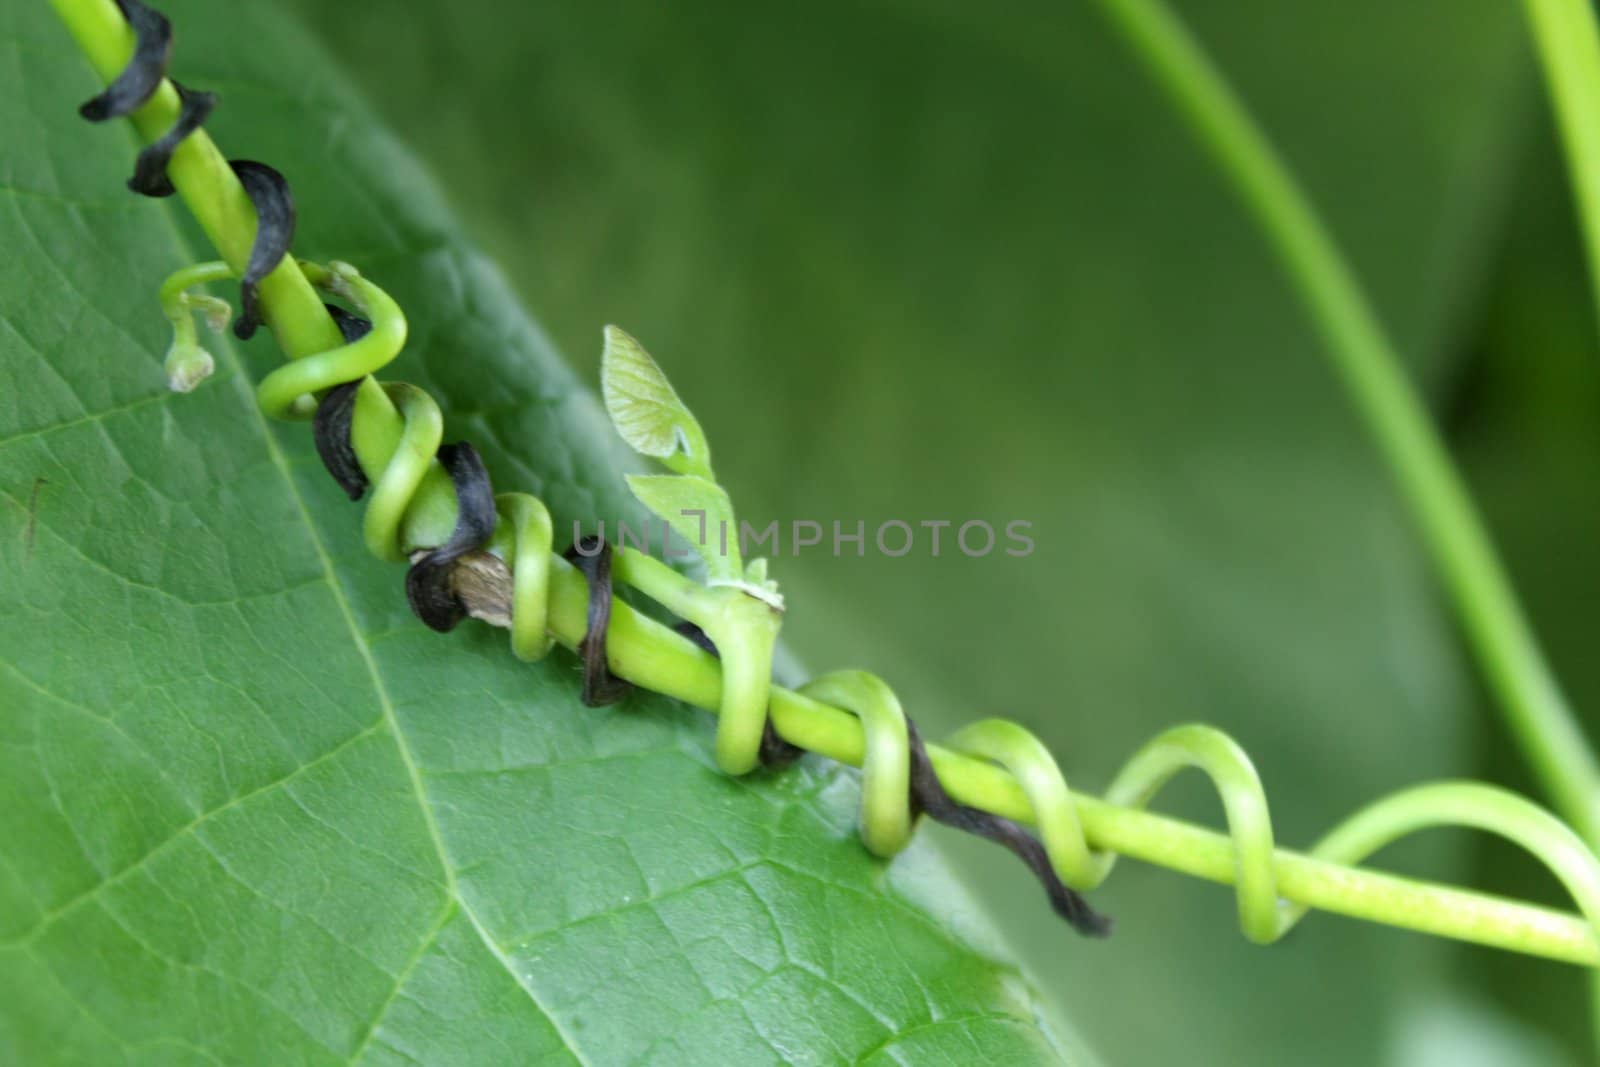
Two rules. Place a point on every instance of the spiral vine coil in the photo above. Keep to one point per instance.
(899, 781)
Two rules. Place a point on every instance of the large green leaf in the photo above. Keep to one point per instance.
(925, 259)
(251, 810)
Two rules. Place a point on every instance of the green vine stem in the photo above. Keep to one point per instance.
(990, 765)
(1568, 41)
(1365, 360)
(291, 307)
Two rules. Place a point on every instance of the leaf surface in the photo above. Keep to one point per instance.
(250, 809)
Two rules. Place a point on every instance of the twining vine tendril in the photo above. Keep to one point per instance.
(1002, 772)
(775, 752)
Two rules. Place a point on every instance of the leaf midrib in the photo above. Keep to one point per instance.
(241, 381)
(419, 789)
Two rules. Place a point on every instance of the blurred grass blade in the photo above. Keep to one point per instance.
(1569, 50)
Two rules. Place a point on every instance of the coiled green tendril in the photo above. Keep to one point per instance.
(524, 541)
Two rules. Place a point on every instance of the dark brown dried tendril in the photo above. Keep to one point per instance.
(267, 189)
(352, 327)
(137, 83)
(150, 169)
(592, 556)
(142, 76)
(775, 753)
(928, 797)
(269, 193)
(429, 587)
(330, 429)
(332, 425)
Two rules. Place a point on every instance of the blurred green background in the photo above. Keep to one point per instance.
(919, 260)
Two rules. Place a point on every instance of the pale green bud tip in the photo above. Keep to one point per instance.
(217, 312)
(187, 365)
(342, 279)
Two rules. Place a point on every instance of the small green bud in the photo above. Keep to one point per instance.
(187, 365)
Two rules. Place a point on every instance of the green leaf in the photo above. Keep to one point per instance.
(700, 512)
(646, 409)
(989, 276)
(250, 809)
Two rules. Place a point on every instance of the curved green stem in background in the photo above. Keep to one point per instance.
(1568, 42)
(987, 766)
(1366, 361)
